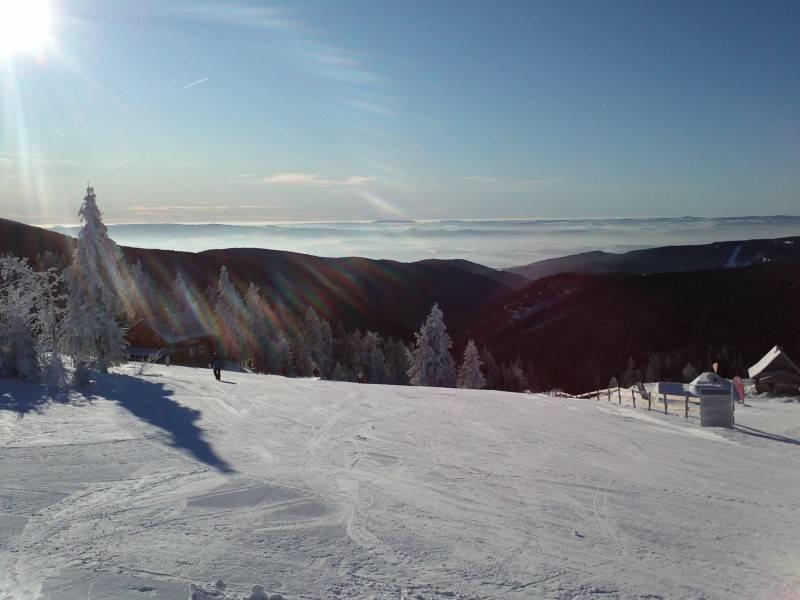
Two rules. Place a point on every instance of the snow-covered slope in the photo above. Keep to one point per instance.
(320, 489)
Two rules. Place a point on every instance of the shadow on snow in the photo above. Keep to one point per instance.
(151, 403)
(23, 397)
(146, 400)
(766, 435)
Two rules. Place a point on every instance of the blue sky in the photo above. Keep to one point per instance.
(235, 111)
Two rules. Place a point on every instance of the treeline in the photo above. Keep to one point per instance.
(50, 310)
(681, 366)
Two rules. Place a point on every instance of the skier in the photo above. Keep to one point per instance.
(216, 364)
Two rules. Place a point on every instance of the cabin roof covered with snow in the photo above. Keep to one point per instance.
(773, 361)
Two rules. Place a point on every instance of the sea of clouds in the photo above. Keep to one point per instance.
(496, 243)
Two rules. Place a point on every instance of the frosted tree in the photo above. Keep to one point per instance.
(653, 372)
(494, 375)
(432, 364)
(373, 358)
(229, 314)
(339, 373)
(92, 330)
(182, 293)
(22, 292)
(632, 375)
(469, 374)
(140, 296)
(259, 329)
(316, 347)
(514, 378)
(284, 358)
(396, 362)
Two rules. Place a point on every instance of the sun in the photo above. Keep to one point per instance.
(25, 27)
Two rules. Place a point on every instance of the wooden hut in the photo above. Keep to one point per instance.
(775, 373)
(187, 342)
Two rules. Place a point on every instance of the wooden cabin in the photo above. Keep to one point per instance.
(187, 342)
(776, 374)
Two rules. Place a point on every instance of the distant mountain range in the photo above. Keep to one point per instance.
(577, 319)
(667, 259)
(382, 295)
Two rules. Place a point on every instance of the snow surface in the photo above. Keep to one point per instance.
(316, 489)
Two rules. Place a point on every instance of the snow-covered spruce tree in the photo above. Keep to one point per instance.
(514, 378)
(30, 315)
(373, 358)
(92, 331)
(260, 331)
(339, 373)
(653, 372)
(432, 364)
(532, 378)
(229, 317)
(183, 295)
(492, 371)
(469, 374)
(396, 362)
(316, 346)
(140, 296)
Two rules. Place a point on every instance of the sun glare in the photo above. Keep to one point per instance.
(25, 27)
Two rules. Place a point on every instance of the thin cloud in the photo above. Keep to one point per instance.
(194, 83)
(312, 179)
(201, 208)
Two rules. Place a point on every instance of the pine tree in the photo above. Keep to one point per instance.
(469, 374)
(339, 373)
(373, 357)
(396, 362)
(689, 372)
(184, 295)
(92, 330)
(494, 376)
(432, 364)
(284, 357)
(140, 295)
(632, 375)
(532, 378)
(258, 328)
(229, 314)
(653, 372)
(19, 295)
(513, 377)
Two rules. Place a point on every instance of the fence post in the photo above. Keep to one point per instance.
(686, 407)
(609, 394)
(664, 395)
(633, 397)
(619, 397)
(649, 400)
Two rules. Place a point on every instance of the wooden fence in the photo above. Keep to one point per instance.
(669, 404)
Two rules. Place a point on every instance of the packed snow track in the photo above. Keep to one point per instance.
(144, 485)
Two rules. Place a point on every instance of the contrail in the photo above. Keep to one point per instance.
(194, 83)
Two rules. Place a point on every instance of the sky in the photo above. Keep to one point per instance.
(349, 110)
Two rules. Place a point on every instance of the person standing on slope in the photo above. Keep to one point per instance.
(216, 364)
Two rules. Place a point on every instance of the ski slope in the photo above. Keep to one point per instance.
(319, 489)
